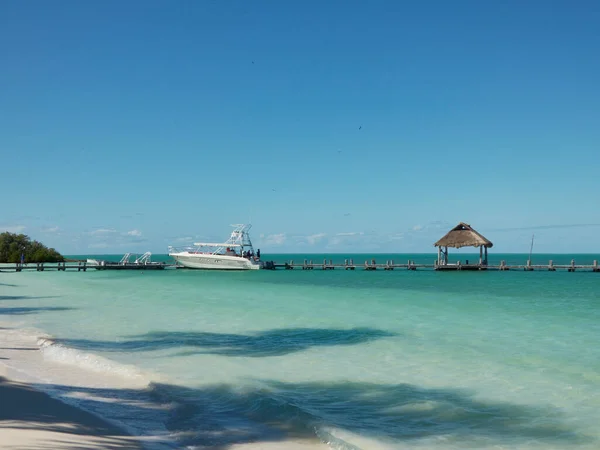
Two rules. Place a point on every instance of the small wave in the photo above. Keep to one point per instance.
(55, 352)
(224, 416)
(340, 439)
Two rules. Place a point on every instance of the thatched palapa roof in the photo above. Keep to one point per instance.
(462, 235)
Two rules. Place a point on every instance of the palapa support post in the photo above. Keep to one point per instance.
(480, 255)
(595, 267)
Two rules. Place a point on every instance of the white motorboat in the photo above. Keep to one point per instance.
(237, 253)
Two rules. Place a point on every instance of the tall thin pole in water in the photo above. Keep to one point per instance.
(531, 248)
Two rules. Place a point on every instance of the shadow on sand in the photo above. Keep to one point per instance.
(27, 409)
(220, 416)
(261, 344)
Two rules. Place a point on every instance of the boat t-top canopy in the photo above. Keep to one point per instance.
(207, 244)
(239, 238)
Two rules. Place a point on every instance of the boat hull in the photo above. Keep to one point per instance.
(214, 262)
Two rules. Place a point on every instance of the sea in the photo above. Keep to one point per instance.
(345, 360)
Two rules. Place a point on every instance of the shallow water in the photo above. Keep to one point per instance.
(356, 360)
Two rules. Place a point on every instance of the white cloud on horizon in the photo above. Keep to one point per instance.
(102, 231)
(274, 239)
(13, 228)
(345, 238)
(418, 228)
(314, 238)
(336, 240)
(111, 238)
(54, 229)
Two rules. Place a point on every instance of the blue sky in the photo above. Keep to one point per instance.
(332, 126)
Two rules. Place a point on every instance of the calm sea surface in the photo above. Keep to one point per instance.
(349, 360)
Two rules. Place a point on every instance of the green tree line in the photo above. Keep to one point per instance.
(13, 245)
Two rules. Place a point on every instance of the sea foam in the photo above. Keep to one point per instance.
(58, 353)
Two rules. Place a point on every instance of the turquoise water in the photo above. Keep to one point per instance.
(348, 360)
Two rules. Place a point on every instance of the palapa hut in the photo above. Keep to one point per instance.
(462, 235)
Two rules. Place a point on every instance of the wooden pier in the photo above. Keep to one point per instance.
(371, 264)
(327, 264)
(80, 266)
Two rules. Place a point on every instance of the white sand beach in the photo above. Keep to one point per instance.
(31, 419)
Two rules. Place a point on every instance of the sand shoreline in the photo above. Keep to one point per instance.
(30, 418)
